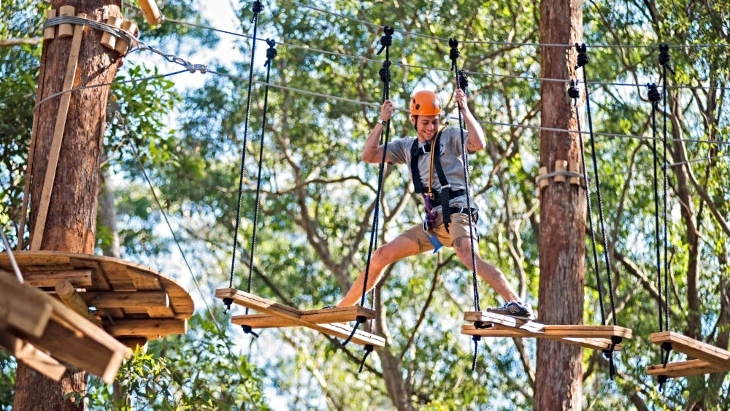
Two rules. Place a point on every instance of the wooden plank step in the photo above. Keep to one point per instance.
(592, 343)
(23, 307)
(685, 368)
(136, 299)
(79, 278)
(31, 356)
(692, 347)
(146, 327)
(492, 318)
(320, 316)
(273, 308)
(569, 331)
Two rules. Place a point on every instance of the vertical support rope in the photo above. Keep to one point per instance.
(582, 62)
(461, 81)
(664, 61)
(574, 93)
(270, 54)
(257, 7)
(386, 41)
(654, 98)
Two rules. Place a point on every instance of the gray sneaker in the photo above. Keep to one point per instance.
(515, 309)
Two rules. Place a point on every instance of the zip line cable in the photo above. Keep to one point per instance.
(445, 40)
(428, 68)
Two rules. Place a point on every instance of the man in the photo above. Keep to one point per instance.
(437, 169)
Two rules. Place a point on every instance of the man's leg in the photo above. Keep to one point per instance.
(398, 249)
(487, 271)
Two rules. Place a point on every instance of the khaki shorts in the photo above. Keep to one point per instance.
(458, 227)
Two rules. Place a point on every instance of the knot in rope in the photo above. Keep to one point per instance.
(654, 95)
(227, 302)
(385, 72)
(248, 330)
(582, 55)
(368, 350)
(462, 79)
(270, 52)
(664, 58)
(257, 7)
(573, 91)
(387, 39)
(454, 52)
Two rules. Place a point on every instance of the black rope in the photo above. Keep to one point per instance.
(386, 40)
(664, 61)
(654, 97)
(270, 54)
(574, 93)
(582, 61)
(462, 81)
(476, 340)
(368, 350)
(257, 7)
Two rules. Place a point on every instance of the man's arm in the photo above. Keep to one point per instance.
(373, 152)
(475, 139)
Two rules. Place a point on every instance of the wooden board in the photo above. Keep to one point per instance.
(321, 316)
(692, 347)
(685, 369)
(31, 356)
(516, 327)
(295, 316)
(592, 343)
(122, 290)
(66, 335)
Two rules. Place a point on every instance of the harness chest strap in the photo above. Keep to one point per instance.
(445, 195)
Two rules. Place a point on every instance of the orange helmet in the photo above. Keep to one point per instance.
(425, 103)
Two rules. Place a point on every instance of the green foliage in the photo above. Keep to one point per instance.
(197, 371)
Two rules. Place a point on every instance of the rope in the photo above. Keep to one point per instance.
(11, 256)
(500, 43)
(582, 61)
(220, 331)
(574, 93)
(664, 61)
(270, 54)
(462, 83)
(654, 98)
(257, 7)
(386, 41)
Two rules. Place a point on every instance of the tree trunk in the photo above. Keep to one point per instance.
(562, 214)
(71, 220)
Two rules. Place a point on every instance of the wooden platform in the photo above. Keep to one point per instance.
(706, 357)
(40, 331)
(274, 315)
(134, 303)
(588, 336)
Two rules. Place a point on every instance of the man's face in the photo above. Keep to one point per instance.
(427, 126)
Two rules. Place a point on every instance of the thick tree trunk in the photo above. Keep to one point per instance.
(562, 214)
(71, 221)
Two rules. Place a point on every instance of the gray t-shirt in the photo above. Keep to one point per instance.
(450, 156)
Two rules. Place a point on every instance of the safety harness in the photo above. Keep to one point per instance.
(432, 197)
